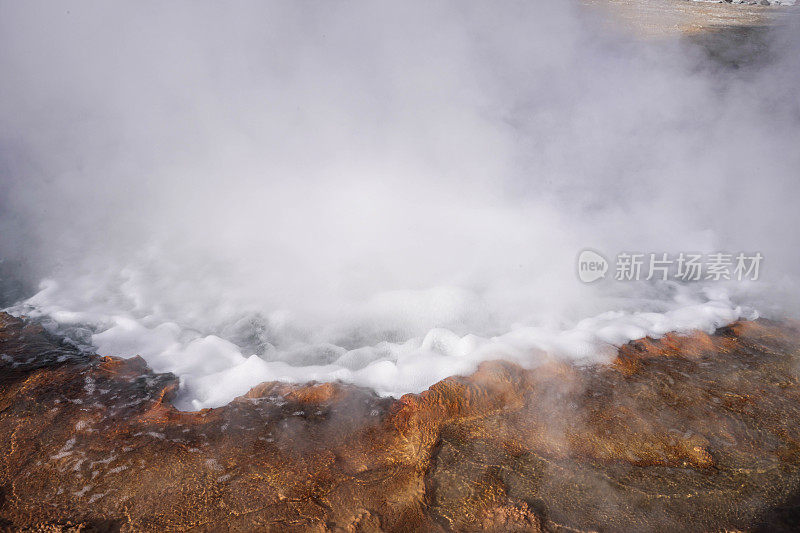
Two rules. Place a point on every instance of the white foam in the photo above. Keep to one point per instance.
(214, 370)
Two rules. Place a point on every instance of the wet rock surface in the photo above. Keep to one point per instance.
(684, 433)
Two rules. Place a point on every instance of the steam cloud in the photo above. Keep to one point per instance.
(384, 193)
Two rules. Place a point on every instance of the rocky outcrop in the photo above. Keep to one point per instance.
(697, 432)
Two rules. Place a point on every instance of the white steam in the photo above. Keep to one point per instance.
(383, 193)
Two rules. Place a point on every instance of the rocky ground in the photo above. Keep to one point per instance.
(661, 18)
(695, 433)
(685, 433)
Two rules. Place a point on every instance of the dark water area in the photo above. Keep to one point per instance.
(14, 285)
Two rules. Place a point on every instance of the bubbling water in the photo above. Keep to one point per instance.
(381, 194)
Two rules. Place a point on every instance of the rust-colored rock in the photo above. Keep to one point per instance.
(685, 433)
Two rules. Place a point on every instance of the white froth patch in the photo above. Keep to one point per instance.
(214, 370)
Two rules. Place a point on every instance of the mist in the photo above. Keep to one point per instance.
(381, 193)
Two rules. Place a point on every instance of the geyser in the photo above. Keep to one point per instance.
(379, 193)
